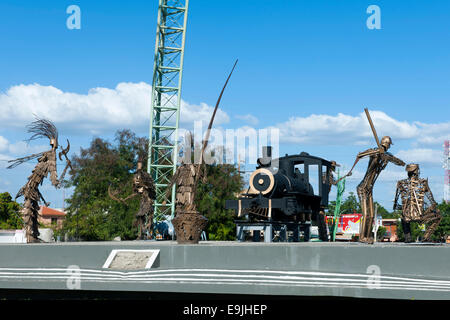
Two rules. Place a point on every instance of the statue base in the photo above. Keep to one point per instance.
(189, 226)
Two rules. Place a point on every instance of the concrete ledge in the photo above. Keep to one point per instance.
(393, 271)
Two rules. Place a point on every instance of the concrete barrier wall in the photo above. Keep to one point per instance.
(353, 269)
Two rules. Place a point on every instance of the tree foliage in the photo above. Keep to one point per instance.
(92, 214)
(9, 213)
(416, 231)
(380, 233)
(223, 183)
(350, 205)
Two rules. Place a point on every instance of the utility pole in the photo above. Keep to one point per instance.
(446, 171)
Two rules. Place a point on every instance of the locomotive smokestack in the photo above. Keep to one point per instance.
(266, 156)
(267, 152)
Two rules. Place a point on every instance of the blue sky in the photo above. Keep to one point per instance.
(296, 59)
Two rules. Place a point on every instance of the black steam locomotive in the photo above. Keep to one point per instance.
(281, 191)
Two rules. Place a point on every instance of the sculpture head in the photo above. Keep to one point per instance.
(412, 169)
(54, 143)
(334, 165)
(43, 128)
(386, 142)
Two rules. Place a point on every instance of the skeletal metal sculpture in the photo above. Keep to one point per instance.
(144, 186)
(379, 159)
(46, 165)
(417, 203)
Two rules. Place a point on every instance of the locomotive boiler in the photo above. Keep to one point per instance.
(291, 189)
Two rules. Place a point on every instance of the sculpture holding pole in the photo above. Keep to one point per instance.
(188, 223)
(379, 158)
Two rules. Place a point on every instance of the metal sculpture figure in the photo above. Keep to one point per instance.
(330, 173)
(46, 165)
(144, 186)
(184, 178)
(340, 184)
(188, 223)
(379, 159)
(322, 224)
(417, 203)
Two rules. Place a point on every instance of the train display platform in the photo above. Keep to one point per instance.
(382, 270)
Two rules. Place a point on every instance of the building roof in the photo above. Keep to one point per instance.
(390, 221)
(49, 212)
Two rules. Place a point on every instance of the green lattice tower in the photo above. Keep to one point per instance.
(166, 100)
(337, 209)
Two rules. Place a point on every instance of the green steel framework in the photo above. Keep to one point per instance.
(166, 100)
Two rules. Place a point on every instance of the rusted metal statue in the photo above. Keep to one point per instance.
(329, 174)
(188, 223)
(184, 179)
(417, 203)
(46, 165)
(378, 160)
(143, 185)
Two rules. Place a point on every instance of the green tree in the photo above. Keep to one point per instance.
(350, 205)
(381, 232)
(223, 182)
(416, 231)
(92, 214)
(9, 212)
(381, 211)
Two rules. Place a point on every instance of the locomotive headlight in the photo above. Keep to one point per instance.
(261, 181)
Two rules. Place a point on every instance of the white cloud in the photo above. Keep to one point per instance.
(347, 129)
(429, 156)
(4, 143)
(127, 105)
(20, 148)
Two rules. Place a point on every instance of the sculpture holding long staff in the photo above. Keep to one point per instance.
(208, 133)
(188, 222)
(379, 159)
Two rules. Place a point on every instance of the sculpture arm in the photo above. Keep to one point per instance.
(397, 194)
(394, 160)
(52, 169)
(359, 156)
(47, 204)
(112, 195)
(429, 195)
